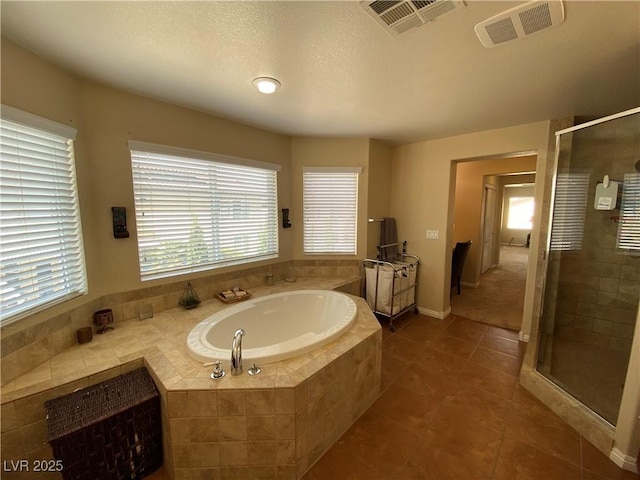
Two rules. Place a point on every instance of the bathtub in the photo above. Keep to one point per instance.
(277, 327)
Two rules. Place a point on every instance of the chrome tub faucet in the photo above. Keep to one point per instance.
(236, 352)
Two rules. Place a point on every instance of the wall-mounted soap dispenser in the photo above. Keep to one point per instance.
(606, 194)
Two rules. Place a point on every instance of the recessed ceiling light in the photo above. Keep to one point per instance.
(266, 84)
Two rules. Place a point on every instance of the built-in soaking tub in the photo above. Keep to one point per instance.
(277, 327)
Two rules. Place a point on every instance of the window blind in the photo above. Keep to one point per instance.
(330, 210)
(40, 231)
(569, 211)
(628, 240)
(194, 214)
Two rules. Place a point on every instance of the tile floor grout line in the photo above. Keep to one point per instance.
(414, 448)
(503, 461)
(500, 448)
(581, 460)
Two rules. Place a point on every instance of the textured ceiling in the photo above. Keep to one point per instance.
(341, 74)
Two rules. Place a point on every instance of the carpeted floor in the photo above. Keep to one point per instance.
(500, 297)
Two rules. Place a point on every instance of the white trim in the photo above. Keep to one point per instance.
(434, 313)
(626, 462)
(523, 337)
(34, 121)
(600, 120)
(470, 284)
(332, 169)
(200, 155)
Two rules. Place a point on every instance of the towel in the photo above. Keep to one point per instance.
(388, 234)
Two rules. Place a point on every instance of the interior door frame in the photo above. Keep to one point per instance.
(483, 217)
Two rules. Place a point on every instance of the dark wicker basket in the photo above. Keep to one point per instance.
(111, 430)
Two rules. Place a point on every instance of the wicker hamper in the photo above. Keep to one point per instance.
(108, 431)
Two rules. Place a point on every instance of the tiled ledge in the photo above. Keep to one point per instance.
(275, 424)
(161, 342)
(28, 343)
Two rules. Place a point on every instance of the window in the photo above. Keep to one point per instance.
(40, 232)
(330, 210)
(520, 216)
(569, 211)
(628, 240)
(196, 211)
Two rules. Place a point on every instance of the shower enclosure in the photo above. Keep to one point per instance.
(592, 281)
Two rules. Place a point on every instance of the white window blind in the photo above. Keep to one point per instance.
(194, 214)
(569, 211)
(330, 210)
(40, 232)
(628, 240)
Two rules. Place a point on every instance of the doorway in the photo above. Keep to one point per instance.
(494, 275)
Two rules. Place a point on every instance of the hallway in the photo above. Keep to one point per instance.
(499, 298)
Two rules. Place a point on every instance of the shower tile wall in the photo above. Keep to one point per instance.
(594, 292)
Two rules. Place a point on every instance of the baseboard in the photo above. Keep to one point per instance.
(434, 313)
(470, 285)
(623, 461)
(523, 337)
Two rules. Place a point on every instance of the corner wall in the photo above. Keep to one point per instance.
(106, 119)
(379, 192)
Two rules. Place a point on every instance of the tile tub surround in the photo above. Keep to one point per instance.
(274, 425)
(26, 344)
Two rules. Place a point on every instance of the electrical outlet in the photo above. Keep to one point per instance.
(433, 234)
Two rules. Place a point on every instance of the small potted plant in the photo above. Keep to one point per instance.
(189, 298)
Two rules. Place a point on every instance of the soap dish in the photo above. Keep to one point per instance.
(231, 296)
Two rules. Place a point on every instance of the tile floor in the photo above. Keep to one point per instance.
(451, 408)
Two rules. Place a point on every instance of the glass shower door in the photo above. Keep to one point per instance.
(592, 282)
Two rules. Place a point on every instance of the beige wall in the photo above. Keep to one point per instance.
(379, 205)
(328, 152)
(471, 177)
(423, 186)
(416, 191)
(111, 118)
(106, 119)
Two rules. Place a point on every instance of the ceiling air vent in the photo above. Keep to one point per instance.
(397, 17)
(520, 22)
